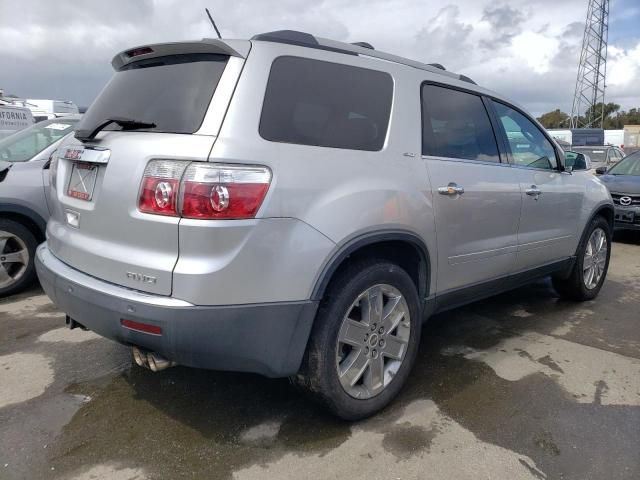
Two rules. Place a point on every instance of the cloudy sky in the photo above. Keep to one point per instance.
(526, 49)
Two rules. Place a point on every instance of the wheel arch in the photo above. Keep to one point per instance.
(604, 210)
(25, 216)
(390, 244)
(607, 211)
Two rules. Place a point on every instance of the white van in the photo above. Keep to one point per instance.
(52, 108)
(14, 118)
(614, 137)
(564, 135)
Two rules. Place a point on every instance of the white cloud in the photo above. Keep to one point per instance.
(623, 67)
(537, 59)
(527, 50)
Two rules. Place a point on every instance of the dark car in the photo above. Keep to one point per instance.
(602, 155)
(623, 181)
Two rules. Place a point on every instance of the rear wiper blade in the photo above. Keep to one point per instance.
(125, 123)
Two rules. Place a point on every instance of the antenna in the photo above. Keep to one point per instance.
(588, 100)
(212, 22)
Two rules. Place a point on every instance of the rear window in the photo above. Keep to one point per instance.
(173, 92)
(311, 102)
(597, 155)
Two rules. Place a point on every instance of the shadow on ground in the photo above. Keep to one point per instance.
(185, 423)
(631, 237)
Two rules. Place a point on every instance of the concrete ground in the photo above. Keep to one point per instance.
(521, 386)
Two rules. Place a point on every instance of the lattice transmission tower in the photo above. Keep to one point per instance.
(588, 99)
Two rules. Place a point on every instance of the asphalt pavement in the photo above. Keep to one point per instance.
(520, 386)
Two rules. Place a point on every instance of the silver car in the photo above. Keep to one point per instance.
(24, 178)
(296, 206)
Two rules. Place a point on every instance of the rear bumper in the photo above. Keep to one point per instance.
(268, 339)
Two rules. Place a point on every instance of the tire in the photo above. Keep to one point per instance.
(373, 347)
(577, 286)
(17, 251)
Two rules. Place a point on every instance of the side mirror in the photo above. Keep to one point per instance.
(601, 170)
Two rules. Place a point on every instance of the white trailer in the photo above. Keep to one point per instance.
(57, 108)
(614, 137)
(43, 109)
(13, 118)
(564, 135)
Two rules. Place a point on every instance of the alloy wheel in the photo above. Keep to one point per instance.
(373, 341)
(595, 258)
(14, 258)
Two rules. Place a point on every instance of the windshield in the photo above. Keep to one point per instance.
(172, 92)
(597, 155)
(627, 166)
(26, 144)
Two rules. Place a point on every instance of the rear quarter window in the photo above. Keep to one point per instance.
(324, 104)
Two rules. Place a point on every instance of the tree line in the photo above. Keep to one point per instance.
(614, 118)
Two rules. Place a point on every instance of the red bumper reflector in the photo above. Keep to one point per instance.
(141, 327)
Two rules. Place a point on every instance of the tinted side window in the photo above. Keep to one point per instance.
(311, 102)
(455, 124)
(529, 147)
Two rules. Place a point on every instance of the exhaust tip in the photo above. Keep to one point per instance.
(139, 357)
(158, 363)
(152, 363)
(151, 360)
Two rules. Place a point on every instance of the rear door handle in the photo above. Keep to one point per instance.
(451, 189)
(533, 191)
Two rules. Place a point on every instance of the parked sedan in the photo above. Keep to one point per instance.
(24, 178)
(623, 181)
(601, 156)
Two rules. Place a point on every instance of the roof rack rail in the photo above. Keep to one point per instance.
(464, 78)
(363, 45)
(302, 39)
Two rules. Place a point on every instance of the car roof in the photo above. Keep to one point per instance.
(302, 39)
(289, 37)
(241, 48)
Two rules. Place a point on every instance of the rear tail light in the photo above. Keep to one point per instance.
(223, 191)
(203, 191)
(160, 184)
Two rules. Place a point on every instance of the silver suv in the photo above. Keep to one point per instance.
(296, 206)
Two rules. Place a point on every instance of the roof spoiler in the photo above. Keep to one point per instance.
(233, 48)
